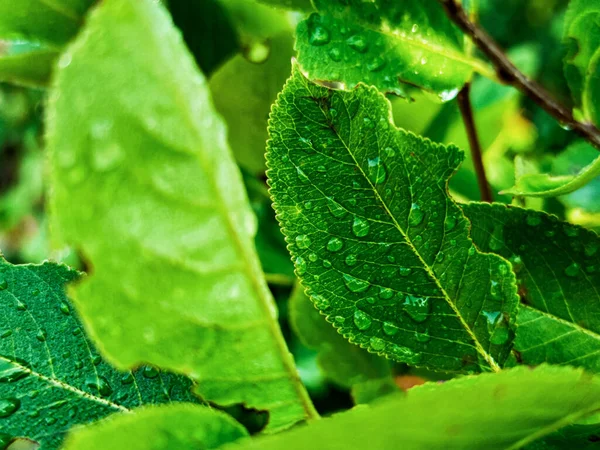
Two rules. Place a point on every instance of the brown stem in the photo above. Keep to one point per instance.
(464, 104)
(508, 73)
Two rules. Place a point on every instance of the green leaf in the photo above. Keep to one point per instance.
(342, 362)
(394, 46)
(165, 427)
(547, 185)
(162, 216)
(591, 93)
(382, 249)
(582, 38)
(243, 93)
(558, 272)
(51, 376)
(506, 410)
(32, 35)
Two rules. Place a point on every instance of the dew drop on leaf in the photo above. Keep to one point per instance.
(336, 209)
(41, 335)
(335, 244)
(390, 329)
(360, 227)
(358, 43)
(300, 265)
(354, 284)
(362, 320)
(386, 293)
(376, 64)
(533, 220)
(573, 270)
(8, 406)
(64, 308)
(450, 223)
(336, 56)
(99, 384)
(302, 241)
(150, 372)
(3, 284)
(422, 337)
(302, 176)
(377, 171)
(404, 271)
(127, 378)
(351, 260)
(376, 343)
(416, 215)
(591, 249)
(10, 372)
(416, 307)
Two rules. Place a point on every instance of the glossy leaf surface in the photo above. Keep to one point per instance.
(382, 249)
(499, 411)
(51, 375)
(558, 272)
(162, 216)
(395, 46)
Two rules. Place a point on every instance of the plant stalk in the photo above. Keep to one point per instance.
(466, 111)
(508, 73)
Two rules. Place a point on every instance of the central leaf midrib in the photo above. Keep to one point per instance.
(65, 386)
(493, 365)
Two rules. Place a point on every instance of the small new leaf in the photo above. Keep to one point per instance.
(383, 250)
(51, 376)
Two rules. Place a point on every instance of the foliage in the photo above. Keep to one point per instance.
(151, 301)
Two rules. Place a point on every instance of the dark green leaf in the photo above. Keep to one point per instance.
(393, 45)
(162, 216)
(382, 249)
(159, 428)
(558, 272)
(51, 376)
(503, 411)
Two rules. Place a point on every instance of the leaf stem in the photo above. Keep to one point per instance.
(466, 111)
(508, 73)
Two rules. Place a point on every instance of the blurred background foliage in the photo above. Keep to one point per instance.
(245, 49)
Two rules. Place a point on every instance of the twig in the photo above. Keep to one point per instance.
(464, 104)
(509, 74)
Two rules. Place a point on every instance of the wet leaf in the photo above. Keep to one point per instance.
(404, 279)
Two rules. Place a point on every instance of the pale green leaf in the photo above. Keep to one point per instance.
(499, 411)
(382, 249)
(32, 35)
(144, 185)
(342, 362)
(591, 92)
(582, 38)
(51, 376)
(558, 273)
(394, 46)
(549, 185)
(243, 93)
(170, 427)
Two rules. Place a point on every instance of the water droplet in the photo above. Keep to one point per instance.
(302, 176)
(3, 284)
(107, 156)
(318, 35)
(572, 270)
(533, 220)
(302, 241)
(10, 372)
(50, 420)
(358, 43)
(335, 244)
(377, 171)
(362, 320)
(35, 292)
(376, 343)
(416, 307)
(591, 248)
(326, 263)
(404, 354)
(386, 293)
(416, 215)
(320, 302)
(127, 378)
(98, 384)
(300, 265)
(390, 329)
(405, 271)
(257, 52)
(313, 257)
(414, 28)
(335, 54)
(336, 209)
(472, 250)
(446, 96)
(376, 64)
(41, 335)
(78, 364)
(64, 308)
(150, 372)
(8, 406)
(360, 227)
(450, 223)
(351, 260)
(354, 284)
(422, 337)
(571, 231)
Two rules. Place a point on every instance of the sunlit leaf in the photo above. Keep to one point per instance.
(382, 249)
